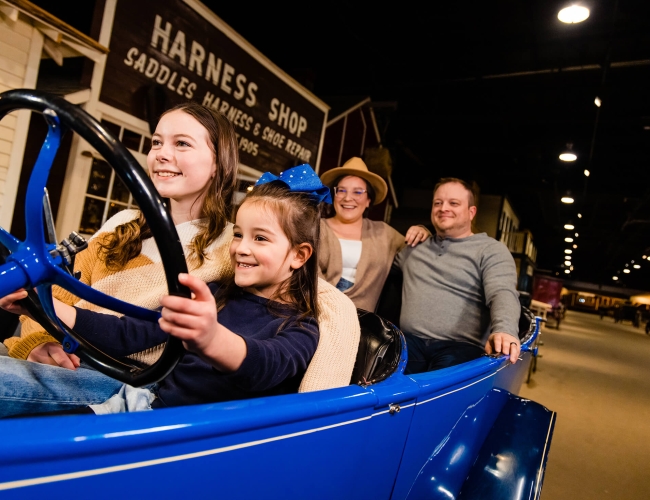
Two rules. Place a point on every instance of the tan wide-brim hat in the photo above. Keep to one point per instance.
(355, 166)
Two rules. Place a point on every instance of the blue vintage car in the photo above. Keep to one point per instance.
(461, 432)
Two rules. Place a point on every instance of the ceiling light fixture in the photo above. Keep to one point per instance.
(626, 271)
(569, 226)
(567, 199)
(586, 172)
(567, 263)
(568, 240)
(573, 14)
(597, 101)
(576, 235)
(636, 266)
(644, 257)
(615, 278)
(568, 154)
(575, 246)
(567, 271)
(567, 257)
(568, 251)
(579, 216)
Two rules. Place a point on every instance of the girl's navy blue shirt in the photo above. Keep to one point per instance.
(275, 360)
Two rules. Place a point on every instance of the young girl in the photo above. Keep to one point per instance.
(192, 162)
(254, 337)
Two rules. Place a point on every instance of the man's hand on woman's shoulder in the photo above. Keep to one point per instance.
(416, 235)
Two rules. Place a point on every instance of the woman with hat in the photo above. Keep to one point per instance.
(356, 253)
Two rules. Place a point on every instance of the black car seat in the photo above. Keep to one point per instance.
(380, 349)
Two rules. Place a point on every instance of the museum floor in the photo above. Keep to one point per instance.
(596, 375)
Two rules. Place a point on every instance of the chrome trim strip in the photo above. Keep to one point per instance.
(541, 465)
(461, 388)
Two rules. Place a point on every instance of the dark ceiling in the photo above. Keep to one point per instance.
(491, 91)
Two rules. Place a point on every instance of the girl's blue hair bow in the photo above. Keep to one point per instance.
(302, 179)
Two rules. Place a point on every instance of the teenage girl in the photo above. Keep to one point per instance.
(192, 162)
(255, 336)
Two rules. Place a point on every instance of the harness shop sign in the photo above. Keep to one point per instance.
(165, 52)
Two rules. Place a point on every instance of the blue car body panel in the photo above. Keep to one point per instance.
(513, 457)
(406, 437)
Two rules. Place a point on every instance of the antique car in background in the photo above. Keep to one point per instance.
(637, 315)
(461, 432)
(547, 294)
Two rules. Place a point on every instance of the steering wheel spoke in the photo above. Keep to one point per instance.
(10, 242)
(45, 299)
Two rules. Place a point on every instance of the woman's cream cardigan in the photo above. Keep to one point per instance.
(379, 245)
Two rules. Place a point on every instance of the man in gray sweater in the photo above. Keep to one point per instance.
(459, 292)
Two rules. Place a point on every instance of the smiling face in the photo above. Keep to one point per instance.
(261, 252)
(451, 214)
(350, 208)
(181, 161)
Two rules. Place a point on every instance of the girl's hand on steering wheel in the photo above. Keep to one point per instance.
(10, 302)
(194, 320)
(49, 353)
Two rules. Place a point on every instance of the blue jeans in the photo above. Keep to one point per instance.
(27, 387)
(344, 284)
(426, 355)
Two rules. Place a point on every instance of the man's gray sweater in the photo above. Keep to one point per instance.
(459, 289)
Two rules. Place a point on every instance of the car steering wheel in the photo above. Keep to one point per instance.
(37, 264)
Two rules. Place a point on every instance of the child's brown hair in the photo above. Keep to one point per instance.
(299, 217)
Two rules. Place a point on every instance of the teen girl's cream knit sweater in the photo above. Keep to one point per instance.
(141, 282)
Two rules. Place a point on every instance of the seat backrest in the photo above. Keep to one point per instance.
(389, 304)
(380, 349)
(334, 358)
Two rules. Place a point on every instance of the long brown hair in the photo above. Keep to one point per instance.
(125, 242)
(299, 217)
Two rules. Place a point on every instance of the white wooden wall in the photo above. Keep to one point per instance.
(20, 53)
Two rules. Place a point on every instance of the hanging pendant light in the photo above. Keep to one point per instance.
(568, 154)
(573, 14)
